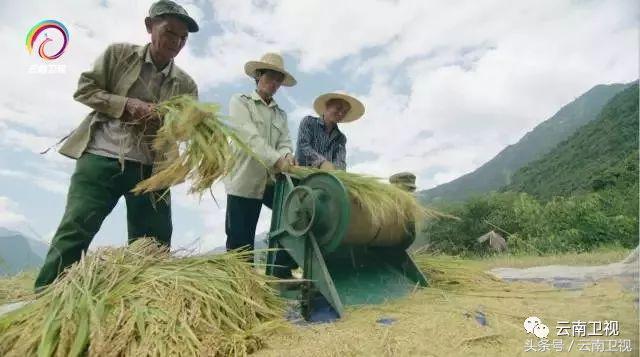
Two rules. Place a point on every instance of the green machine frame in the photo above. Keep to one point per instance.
(313, 220)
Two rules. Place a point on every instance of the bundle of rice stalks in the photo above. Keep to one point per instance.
(385, 202)
(141, 301)
(204, 141)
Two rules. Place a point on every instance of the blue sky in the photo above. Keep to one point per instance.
(446, 87)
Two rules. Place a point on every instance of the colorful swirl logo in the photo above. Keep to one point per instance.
(39, 29)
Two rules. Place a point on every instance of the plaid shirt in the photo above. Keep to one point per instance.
(315, 145)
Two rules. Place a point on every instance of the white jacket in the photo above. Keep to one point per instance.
(263, 127)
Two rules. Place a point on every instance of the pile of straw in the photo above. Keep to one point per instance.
(141, 301)
(385, 202)
(455, 274)
(463, 312)
(19, 286)
(204, 142)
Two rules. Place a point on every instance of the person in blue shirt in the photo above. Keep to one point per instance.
(321, 144)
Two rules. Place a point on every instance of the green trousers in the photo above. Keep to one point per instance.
(96, 186)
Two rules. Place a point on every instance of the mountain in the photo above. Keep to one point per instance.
(581, 195)
(498, 172)
(18, 252)
(600, 155)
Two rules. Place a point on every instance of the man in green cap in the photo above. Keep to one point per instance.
(112, 145)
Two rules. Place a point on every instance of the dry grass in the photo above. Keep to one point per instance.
(17, 287)
(140, 301)
(441, 319)
(600, 256)
(385, 202)
(204, 139)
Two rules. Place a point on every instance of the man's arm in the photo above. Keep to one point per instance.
(93, 90)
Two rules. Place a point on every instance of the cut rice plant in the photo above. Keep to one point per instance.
(385, 202)
(141, 301)
(204, 141)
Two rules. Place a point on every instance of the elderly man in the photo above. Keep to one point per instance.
(112, 145)
(320, 143)
(262, 125)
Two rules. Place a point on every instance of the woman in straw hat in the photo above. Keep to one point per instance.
(262, 124)
(320, 142)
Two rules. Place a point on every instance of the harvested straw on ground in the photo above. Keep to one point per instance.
(453, 274)
(16, 287)
(385, 202)
(141, 301)
(464, 312)
(204, 141)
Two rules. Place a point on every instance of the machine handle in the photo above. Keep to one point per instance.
(287, 179)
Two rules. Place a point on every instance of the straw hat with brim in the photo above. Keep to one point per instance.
(272, 61)
(356, 111)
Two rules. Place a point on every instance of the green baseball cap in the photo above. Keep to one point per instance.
(166, 7)
(406, 180)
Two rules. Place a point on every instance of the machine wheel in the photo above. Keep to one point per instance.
(299, 211)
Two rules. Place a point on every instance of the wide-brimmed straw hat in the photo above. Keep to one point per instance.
(272, 61)
(356, 111)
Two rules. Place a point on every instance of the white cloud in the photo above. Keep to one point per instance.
(47, 179)
(212, 214)
(9, 214)
(446, 86)
(476, 75)
(527, 64)
(478, 71)
(318, 32)
(210, 209)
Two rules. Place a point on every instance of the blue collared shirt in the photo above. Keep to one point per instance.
(315, 145)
